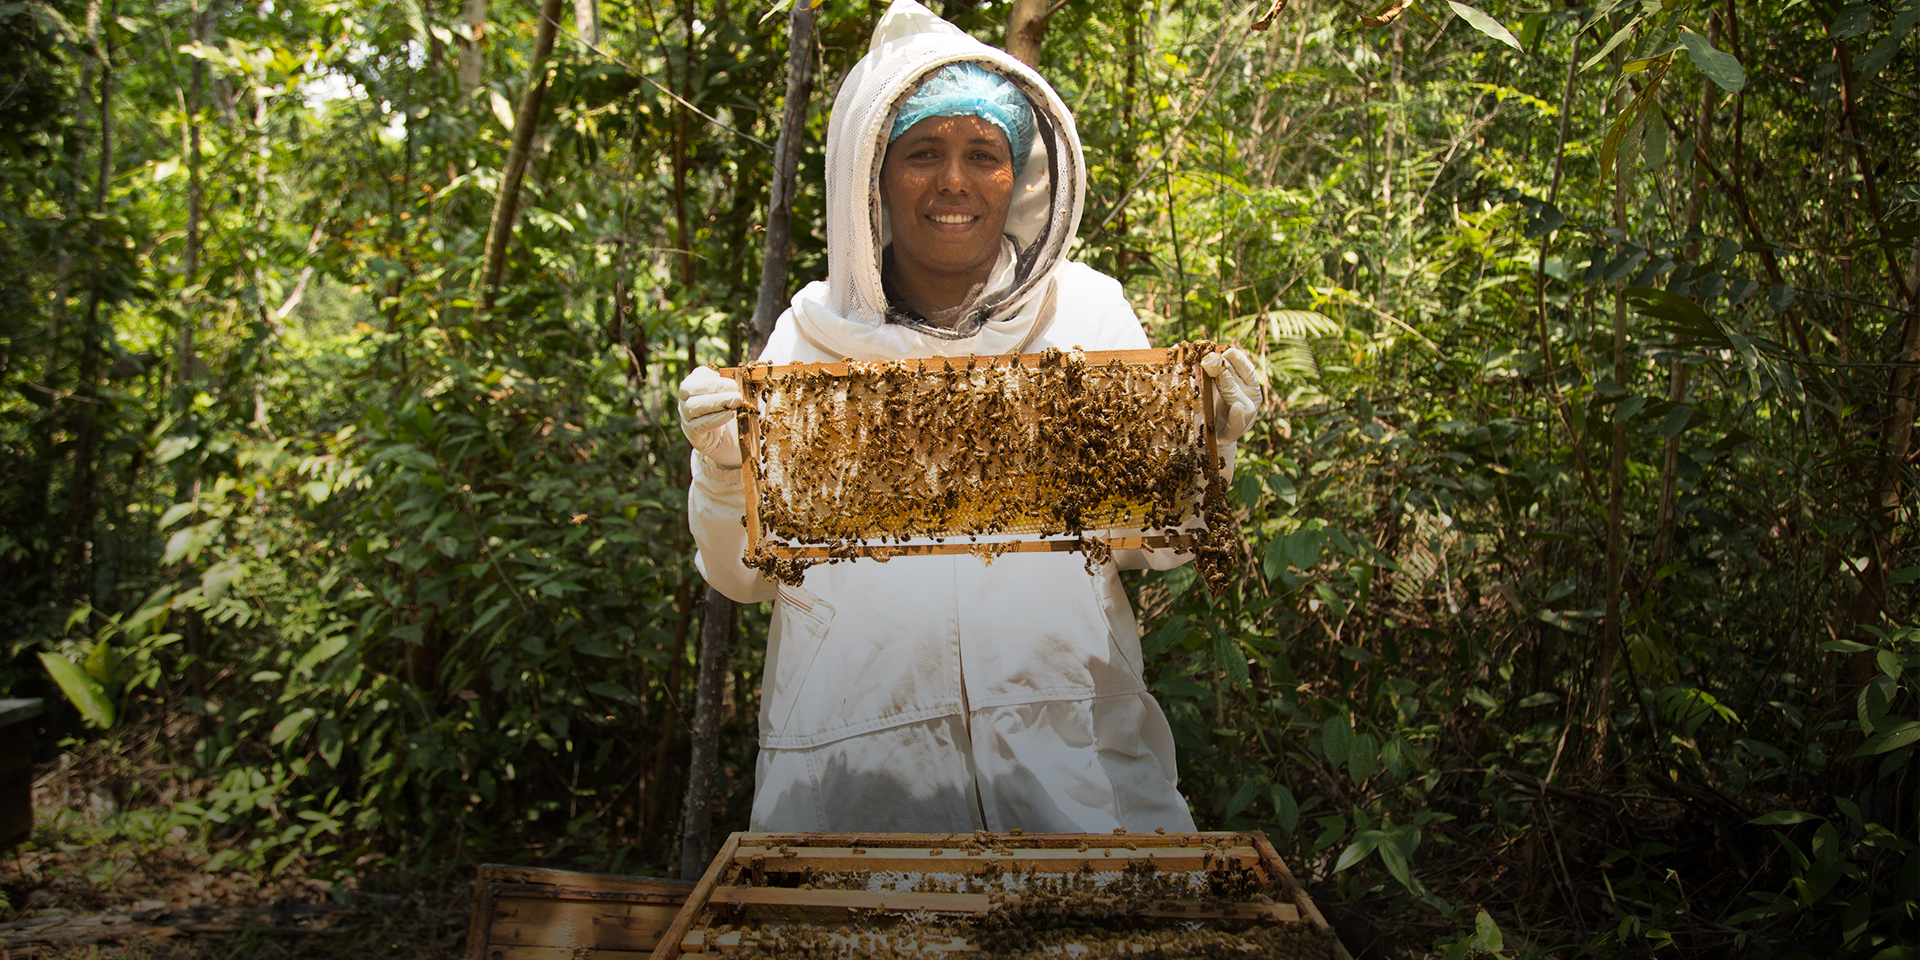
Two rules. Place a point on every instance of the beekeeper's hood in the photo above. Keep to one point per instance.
(847, 314)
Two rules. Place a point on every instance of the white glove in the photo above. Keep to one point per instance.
(707, 404)
(1237, 401)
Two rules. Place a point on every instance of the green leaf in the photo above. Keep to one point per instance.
(1721, 67)
(333, 741)
(1364, 760)
(84, 692)
(1179, 579)
(1853, 20)
(101, 663)
(1301, 548)
(1286, 810)
(1780, 296)
(1240, 799)
(1616, 134)
(502, 110)
(1336, 738)
(1628, 408)
(1483, 23)
(1845, 646)
(174, 513)
(1619, 36)
(1396, 864)
(1233, 660)
(1781, 818)
(320, 653)
(1363, 844)
(179, 545)
(613, 691)
(1683, 314)
(1676, 421)
(291, 725)
(1890, 737)
(1274, 561)
(1875, 60)
(1486, 934)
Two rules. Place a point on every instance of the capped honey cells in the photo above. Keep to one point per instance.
(1093, 452)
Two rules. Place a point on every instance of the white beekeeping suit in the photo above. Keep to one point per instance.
(943, 694)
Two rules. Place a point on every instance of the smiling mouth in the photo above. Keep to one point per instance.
(954, 218)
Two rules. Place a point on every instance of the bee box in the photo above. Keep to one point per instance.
(1052, 451)
(530, 913)
(16, 769)
(1004, 895)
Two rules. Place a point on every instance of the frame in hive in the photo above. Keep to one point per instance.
(1048, 452)
(1010, 895)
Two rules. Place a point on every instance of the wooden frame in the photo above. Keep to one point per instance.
(752, 373)
(532, 913)
(729, 891)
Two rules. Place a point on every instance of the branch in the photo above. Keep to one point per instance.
(526, 120)
(1736, 196)
(1384, 17)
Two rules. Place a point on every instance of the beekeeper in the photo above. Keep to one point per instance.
(943, 694)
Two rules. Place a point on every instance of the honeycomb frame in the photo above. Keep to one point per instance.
(1150, 468)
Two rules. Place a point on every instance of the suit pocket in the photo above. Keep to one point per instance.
(798, 632)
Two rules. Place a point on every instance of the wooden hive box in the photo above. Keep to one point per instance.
(530, 913)
(16, 769)
(1011, 895)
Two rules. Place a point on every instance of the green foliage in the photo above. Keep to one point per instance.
(395, 576)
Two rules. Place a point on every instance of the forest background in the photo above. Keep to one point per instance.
(345, 528)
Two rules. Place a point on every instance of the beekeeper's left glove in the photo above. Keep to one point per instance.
(707, 404)
(1237, 400)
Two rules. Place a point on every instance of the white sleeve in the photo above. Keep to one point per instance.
(717, 507)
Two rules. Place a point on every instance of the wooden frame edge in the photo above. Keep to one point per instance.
(669, 946)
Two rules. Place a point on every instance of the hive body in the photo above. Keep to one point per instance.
(1000, 895)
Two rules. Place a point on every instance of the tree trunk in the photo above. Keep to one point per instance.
(716, 647)
(716, 634)
(1026, 30)
(786, 160)
(1129, 163)
(81, 493)
(190, 265)
(1600, 710)
(1669, 480)
(1663, 531)
(1902, 401)
(586, 20)
(472, 46)
(526, 120)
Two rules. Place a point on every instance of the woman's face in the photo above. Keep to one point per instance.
(947, 183)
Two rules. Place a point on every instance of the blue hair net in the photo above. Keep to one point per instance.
(970, 90)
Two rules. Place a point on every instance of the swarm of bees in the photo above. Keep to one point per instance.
(860, 461)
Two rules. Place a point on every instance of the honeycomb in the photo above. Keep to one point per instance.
(857, 458)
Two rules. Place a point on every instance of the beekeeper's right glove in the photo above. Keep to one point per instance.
(707, 404)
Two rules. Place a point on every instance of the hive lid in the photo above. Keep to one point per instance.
(14, 711)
